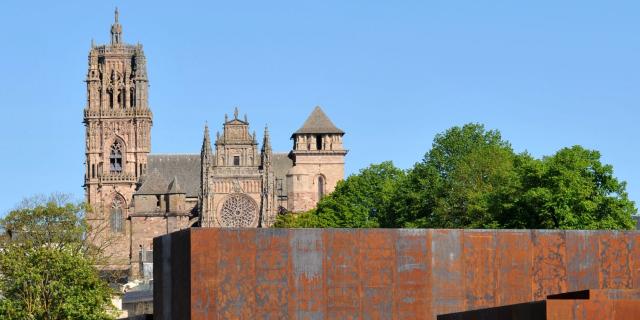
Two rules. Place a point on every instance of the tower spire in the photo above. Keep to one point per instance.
(116, 30)
(266, 152)
(266, 143)
(205, 162)
(206, 142)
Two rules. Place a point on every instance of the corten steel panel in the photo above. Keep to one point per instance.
(412, 291)
(635, 257)
(549, 270)
(513, 267)
(479, 260)
(236, 280)
(626, 309)
(342, 267)
(272, 274)
(171, 276)
(376, 273)
(615, 260)
(447, 278)
(582, 260)
(377, 256)
(583, 305)
(307, 255)
(204, 269)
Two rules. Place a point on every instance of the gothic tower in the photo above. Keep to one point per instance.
(118, 124)
(318, 162)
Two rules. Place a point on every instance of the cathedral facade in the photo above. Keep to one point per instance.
(233, 182)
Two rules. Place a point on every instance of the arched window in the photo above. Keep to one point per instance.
(116, 219)
(120, 98)
(115, 158)
(320, 187)
(132, 97)
(110, 97)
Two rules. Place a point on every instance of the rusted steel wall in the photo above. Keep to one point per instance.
(171, 294)
(611, 304)
(380, 273)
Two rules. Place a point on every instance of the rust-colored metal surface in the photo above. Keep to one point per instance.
(383, 273)
(610, 304)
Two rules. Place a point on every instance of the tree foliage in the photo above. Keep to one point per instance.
(472, 178)
(52, 222)
(464, 181)
(355, 203)
(571, 190)
(47, 265)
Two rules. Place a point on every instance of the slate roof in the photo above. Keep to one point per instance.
(318, 122)
(177, 173)
(174, 186)
(153, 182)
(164, 168)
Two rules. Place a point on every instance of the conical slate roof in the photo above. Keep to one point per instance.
(318, 122)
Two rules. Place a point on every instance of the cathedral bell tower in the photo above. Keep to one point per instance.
(318, 162)
(118, 125)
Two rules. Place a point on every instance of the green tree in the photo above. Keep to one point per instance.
(466, 180)
(47, 264)
(357, 202)
(471, 178)
(571, 190)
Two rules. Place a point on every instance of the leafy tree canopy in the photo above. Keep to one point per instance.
(571, 190)
(355, 203)
(47, 266)
(472, 178)
(464, 181)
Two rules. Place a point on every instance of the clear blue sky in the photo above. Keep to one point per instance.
(392, 74)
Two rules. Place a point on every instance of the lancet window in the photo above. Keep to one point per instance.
(117, 219)
(115, 158)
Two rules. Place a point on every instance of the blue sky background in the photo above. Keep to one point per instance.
(392, 74)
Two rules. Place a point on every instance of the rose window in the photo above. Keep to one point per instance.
(238, 211)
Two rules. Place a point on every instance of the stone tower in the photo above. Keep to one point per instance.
(118, 124)
(318, 162)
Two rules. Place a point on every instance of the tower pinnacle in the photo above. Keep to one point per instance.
(116, 30)
(206, 142)
(266, 143)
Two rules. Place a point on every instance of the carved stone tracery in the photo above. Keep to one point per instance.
(238, 210)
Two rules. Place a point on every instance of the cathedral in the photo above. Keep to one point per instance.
(233, 182)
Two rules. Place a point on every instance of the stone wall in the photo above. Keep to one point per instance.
(144, 229)
(302, 180)
(379, 273)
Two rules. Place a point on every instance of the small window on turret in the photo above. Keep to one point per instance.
(318, 142)
(236, 160)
